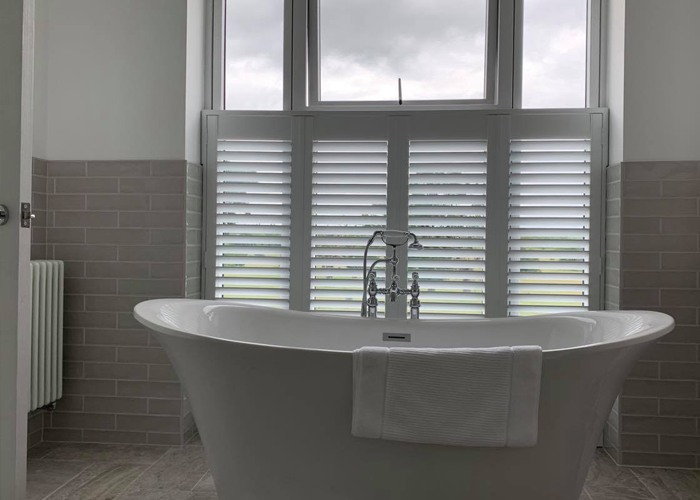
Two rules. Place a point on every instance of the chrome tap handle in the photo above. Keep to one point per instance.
(394, 289)
(415, 293)
(372, 296)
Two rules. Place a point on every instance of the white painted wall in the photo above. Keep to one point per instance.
(655, 87)
(614, 75)
(195, 78)
(116, 79)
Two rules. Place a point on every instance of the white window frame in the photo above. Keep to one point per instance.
(496, 125)
(503, 75)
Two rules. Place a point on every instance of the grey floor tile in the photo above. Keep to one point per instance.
(136, 493)
(41, 450)
(179, 469)
(607, 481)
(206, 483)
(668, 484)
(133, 454)
(46, 476)
(585, 495)
(101, 481)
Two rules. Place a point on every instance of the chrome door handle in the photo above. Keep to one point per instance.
(4, 215)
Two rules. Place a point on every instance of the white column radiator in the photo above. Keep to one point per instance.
(47, 332)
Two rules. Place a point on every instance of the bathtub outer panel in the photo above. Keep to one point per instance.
(276, 425)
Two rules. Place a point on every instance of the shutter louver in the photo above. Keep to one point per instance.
(549, 226)
(447, 211)
(348, 203)
(253, 222)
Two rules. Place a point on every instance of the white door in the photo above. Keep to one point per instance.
(16, 82)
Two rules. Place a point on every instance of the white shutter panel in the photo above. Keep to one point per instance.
(253, 201)
(349, 203)
(549, 226)
(447, 211)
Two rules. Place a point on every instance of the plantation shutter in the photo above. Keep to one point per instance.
(253, 207)
(549, 228)
(348, 203)
(447, 210)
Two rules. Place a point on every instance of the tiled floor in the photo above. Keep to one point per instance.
(122, 472)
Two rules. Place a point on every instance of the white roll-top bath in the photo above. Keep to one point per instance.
(272, 394)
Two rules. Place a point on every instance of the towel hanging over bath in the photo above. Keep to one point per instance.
(462, 397)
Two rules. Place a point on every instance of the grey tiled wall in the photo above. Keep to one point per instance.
(120, 228)
(658, 423)
(39, 203)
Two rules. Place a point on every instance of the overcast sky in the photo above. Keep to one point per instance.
(437, 47)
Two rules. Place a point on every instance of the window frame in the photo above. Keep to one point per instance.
(503, 62)
(398, 130)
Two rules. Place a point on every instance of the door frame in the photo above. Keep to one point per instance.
(16, 96)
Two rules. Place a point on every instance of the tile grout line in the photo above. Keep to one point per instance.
(47, 497)
(641, 481)
(126, 488)
(200, 480)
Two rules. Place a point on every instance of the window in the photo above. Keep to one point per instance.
(254, 54)
(438, 49)
(554, 53)
(492, 154)
(335, 54)
(507, 206)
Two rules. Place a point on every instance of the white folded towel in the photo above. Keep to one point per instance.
(463, 397)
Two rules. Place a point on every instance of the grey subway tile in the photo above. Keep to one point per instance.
(639, 406)
(118, 168)
(660, 207)
(659, 279)
(89, 387)
(164, 406)
(89, 353)
(151, 219)
(85, 219)
(122, 202)
(168, 168)
(66, 202)
(641, 189)
(640, 260)
(671, 352)
(149, 389)
(167, 202)
(118, 236)
(167, 271)
(167, 236)
(660, 388)
(639, 442)
(90, 286)
(680, 407)
(162, 373)
(680, 297)
(116, 337)
(103, 404)
(67, 169)
(659, 243)
(151, 355)
(152, 185)
(65, 235)
(680, 371)
(105, 436)
(681, 189)
(85, 252)
(151, 287)
(76, 420)
(86, 185)
(680, 225)
(90, 319)
(116, 371)
(148, 423)
(116, 270)
(111, 303)
(659, 425)
(157, 254)
(660, 170)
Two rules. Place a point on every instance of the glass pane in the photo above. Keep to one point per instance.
(554, 53)
(437, 48)
(254, 54)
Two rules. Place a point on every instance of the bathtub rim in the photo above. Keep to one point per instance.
(657, 325)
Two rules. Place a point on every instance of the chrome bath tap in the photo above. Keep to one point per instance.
(370, 290)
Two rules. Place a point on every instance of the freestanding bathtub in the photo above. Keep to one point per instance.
(271, 392)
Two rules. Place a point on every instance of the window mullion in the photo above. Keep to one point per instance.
(397, 204)
(597, 216)
(297, 78)
(497, 216)
(211, 134)
(508, 47)
(299, 254)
